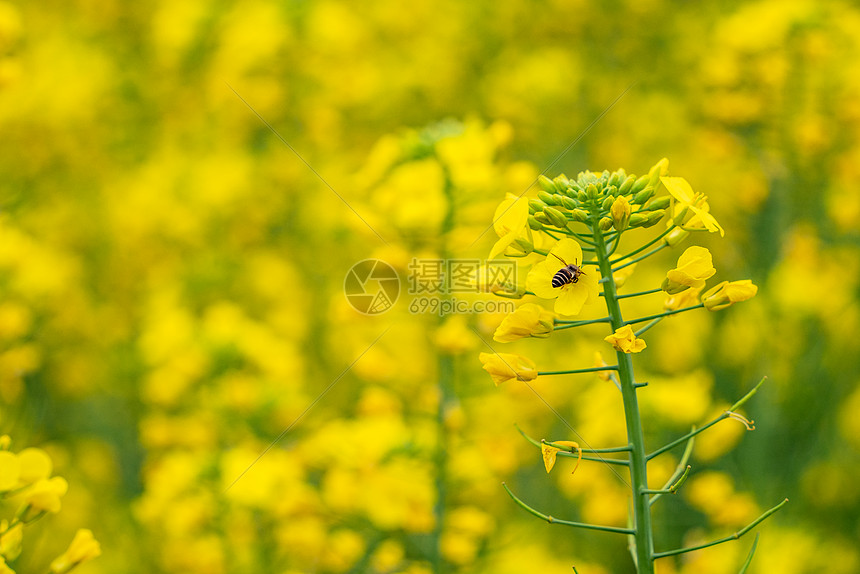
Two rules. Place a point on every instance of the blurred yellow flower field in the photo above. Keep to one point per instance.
(197, 374)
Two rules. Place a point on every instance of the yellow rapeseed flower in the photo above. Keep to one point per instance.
(529, 320)
(506, 366)
(572, 296)
(728, 293)
(10, 470)
(624, 340)
(83, 547)
(45, 494)
(687, 199)
(509, 222)
(694, 266)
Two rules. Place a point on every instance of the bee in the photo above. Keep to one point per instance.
(568, 274)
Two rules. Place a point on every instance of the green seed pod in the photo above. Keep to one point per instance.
(605, 223)
(627, 185)
(661, 202)
(637, 220)
(579, 215)
(536, 206)
(654, 217)
(569, 203)
(534, 223)
(643, 195)
(541, 217)
(545, 197)
(607, 203)
(556, 217)
(546, 184)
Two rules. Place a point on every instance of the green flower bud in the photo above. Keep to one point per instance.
(605, 223)
(615, 178)
(521, 247)
(661, 202)
(556, 217)
(536, 205)
(654, 217)
(591, 191)
(582, 196)
(637, 220)
(639, 184)
(569, 203)
(627, 185)
(561, 181)
(534, 223)
(607, 203)
(546, 184)
(579, 215)
(644, 195)
(612, 190)
(541, 217)
(545, 197)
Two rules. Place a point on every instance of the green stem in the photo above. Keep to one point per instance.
(664, 314)
(640, 258)
(644, 247)
(648, 292)
(648, 326)
(577, 371)
(560, 325)
(552, 520)
(638, 470)
(729, 538)
(679, 470)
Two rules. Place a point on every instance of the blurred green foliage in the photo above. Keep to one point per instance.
(171, 275)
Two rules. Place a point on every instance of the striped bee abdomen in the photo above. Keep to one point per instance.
(565, 275)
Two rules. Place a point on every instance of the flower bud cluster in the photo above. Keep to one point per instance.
(606, 200)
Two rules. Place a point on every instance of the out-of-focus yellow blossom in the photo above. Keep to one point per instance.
(35, 465)
(713, 493)
(694, 266)
(624, 340)
(11, 539)
(44, 495)
(570, 297)
(549, 453)
(600, 362)
(344, 547)
(686, 298)
(728, 293)
(84, 547)
(622, 275)
(455, 336)
(10, 470)
(506, 367)
(687, 199)
(529, 320)
(509, 222)
(4, 568)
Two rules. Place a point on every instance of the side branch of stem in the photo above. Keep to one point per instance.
(552, 520)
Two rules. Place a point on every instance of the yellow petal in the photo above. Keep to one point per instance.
(548, 453)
